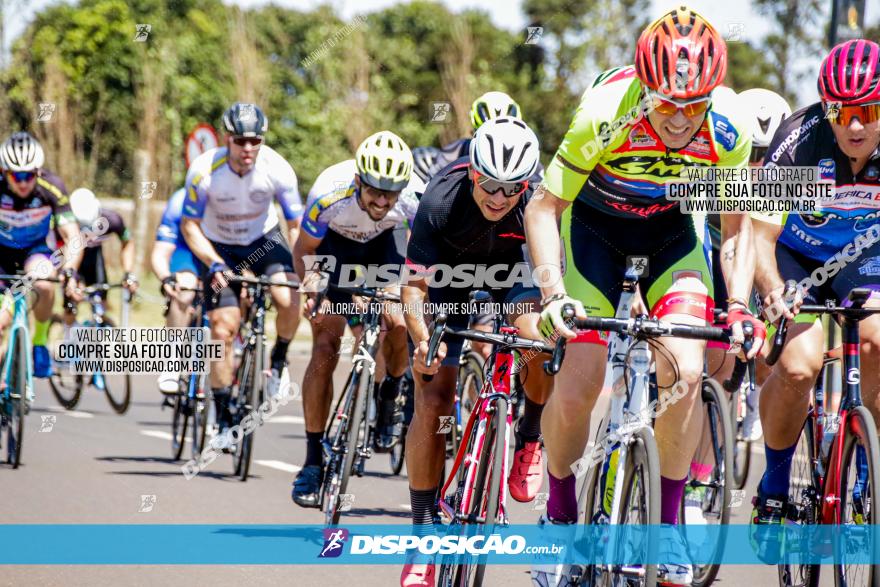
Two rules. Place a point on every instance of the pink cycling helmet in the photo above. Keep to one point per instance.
(851, 73)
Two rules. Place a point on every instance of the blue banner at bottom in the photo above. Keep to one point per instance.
(169, 544)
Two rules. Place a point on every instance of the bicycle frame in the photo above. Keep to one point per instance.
(19, 322)
(496, 386)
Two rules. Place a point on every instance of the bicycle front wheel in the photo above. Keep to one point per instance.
(250, 395)
(708, 499)
(486, 497)
(859, 471)
(18, 399)
(804, 494)
(66, 386)
(202, 414)
(179, 422)
(118, 395)
(742, 450)
(361, 386)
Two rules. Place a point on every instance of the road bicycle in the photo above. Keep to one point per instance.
(17, 393)
(622, 485)
(835, 483)
(249, 384)
(68, 386)
(351, 428)
(479, 491)
(194, 400)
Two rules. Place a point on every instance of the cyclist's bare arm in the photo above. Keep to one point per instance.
(293, 231)
(70, 234)
(197, 241)
(737, 255)
(160, 259)
(127, 255)
(768, 281)
(542, 236)
(304, 246)
(413, 296)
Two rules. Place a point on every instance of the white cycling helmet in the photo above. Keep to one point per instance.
(384, 161)
(766, 109)
(505, 149)
(21, 152)
(85, 206)
(493, 105)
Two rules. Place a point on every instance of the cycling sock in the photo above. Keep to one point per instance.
(529, 427)
(41, 332)
(221, 402)
(423, 502)
(775, 479)
(314, 453)
(279, 353)
(562, 505)
(700, 471)
(389, 388)
(671, 491)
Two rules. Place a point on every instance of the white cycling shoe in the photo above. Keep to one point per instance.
(555, 574)
(678, 569)
(278, 386)
(169, 383)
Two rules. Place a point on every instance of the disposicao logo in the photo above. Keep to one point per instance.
(334, 539)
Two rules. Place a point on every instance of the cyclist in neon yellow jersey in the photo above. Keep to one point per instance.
(635, 132)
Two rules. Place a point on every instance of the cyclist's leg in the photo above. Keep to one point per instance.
(38, 262)
(593, 276)
(527, 469)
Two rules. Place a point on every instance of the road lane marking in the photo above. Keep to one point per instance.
(280, 465)
(71, 413)
(286, 420)
(157, 434)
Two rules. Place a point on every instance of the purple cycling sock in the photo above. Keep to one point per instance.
(562, 505)
(671, 492)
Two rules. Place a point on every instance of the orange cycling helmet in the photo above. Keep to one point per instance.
(681, 55)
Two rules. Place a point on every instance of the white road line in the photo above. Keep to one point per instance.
(157, 434)
(71, 413)
(280, 465)
(406, 507)
(286, 420)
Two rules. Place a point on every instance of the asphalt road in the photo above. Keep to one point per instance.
(94, 467)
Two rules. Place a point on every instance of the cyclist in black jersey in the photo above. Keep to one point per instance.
(471, 217)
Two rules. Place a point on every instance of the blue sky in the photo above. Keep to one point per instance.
(725, 15)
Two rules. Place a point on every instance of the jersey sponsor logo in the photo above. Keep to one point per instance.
(639, 137)
(7, 201)
(854, 198)
(35, 203)
(725, 132)
(259, 197)
(801, 234)
(870, 266)
(643, 211)
(791, 140)
(872, 173)
(826, 169)
(686, 273)
(29, 217)
(814, 220)
(699, 146)
(662, 168)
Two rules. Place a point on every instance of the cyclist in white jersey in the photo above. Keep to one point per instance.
(357, 214)
(230, 223)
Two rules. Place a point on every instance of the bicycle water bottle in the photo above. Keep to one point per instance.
(612, 444)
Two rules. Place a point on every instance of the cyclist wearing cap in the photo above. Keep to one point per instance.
(230, 224)
(176, 267)
(840, 135)
(358, 216)
(31, 200)
(631, 136)
(471, 213)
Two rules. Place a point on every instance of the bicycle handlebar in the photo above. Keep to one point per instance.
(509, 341)
(261, 280)
(652, 328)
(23, 275)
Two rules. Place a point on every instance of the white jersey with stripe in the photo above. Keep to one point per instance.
(332, 204)
(238, 209)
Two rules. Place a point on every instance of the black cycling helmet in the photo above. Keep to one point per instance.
(245, 120)
(425, 162)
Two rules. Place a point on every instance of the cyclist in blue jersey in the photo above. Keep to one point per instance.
(831, 251)
(31, 200)
(176, 267)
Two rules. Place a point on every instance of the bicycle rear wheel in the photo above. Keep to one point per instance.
(804, 494)
(18, 399)
(716, 490)
(118, 396)
(66, 386)
(742, 451)
(360, 387)
(202, 414)
(859, 470)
